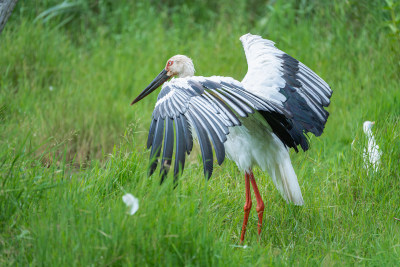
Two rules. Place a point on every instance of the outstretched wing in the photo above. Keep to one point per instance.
(277, 77)
(209, 106)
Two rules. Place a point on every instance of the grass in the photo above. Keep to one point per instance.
(71, 146)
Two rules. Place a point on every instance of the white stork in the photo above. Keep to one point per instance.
(253, 122)
(372, 155)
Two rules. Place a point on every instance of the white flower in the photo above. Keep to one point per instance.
(131, 202)
(51, 88)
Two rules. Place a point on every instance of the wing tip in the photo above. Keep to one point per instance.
(249, 38)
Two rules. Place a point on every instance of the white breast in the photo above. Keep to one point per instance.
(249, 144)
(254, 144)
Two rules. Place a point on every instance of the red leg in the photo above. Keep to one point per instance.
(260, 203)
(247, 206)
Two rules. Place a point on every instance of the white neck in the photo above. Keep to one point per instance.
(187, 70)
(368, 132)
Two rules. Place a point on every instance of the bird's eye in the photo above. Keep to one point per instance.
(170, 63)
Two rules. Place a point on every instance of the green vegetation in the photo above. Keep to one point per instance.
(71, 145)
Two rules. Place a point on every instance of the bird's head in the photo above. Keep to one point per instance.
(367, 126)
(178, 65)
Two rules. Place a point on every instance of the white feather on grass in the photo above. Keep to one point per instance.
(131, 202)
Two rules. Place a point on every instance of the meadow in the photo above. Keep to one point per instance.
(71, 145)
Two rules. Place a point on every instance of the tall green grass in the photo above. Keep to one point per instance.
(71, 145)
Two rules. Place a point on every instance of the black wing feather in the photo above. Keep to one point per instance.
(305, 100)
(214, 122)
(218, 145)
(232, 104)
(151, 133)
(205, 146)
(187, 131)
(242, 104)
(168, 148)
(255, 101)
(180, 147)
(156, 146)
(226, 113)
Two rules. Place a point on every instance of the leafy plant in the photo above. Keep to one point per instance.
(393, 23)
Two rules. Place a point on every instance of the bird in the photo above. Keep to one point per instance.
(253, 122)
(372, 154)
(131, 202)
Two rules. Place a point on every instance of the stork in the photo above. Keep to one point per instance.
(253, 122)
(372, 154)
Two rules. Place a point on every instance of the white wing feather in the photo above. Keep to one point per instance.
(264, 76)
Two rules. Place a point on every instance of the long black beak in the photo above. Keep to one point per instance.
(159, 80)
